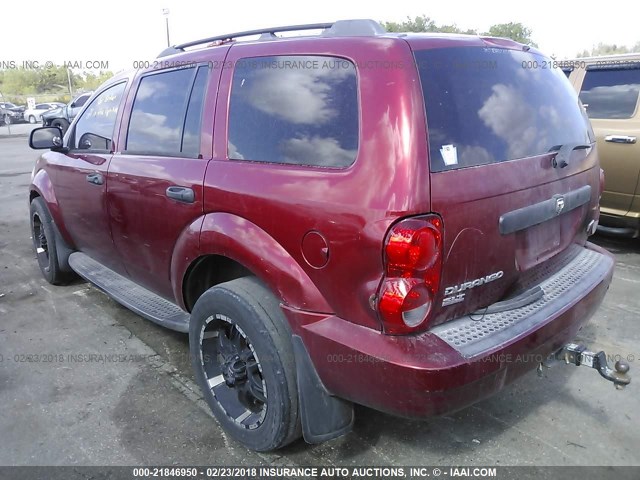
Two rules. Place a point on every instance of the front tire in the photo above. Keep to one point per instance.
(61, 123)
(243, 360)
(44, 243)
(32, 119)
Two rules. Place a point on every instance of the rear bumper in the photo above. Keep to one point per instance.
(429, 374)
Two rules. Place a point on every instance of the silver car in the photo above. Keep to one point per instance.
(34, 115)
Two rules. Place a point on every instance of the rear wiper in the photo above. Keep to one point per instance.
(564, 152)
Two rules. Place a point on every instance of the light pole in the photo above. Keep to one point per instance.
(165, 12)
(69, 80)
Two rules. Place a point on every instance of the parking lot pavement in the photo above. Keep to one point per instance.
(83, 381)
(17, 130)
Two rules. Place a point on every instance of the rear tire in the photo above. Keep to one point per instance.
(32, 119)
(61, 123)
(44, 243)
(243, 360)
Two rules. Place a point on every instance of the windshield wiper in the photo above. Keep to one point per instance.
(560, 160)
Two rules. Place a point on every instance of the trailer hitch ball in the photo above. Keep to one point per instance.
(621, 366)
(580, 356)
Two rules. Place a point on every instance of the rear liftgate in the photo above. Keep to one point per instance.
(574, 354)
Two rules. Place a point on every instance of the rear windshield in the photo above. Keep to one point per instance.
(488, 105)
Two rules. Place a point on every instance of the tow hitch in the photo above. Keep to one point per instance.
(578, 355)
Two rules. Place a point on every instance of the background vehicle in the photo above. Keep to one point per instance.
(35, 115)
(609, 88)
(11, 113)
(332, 224)
(63, 116)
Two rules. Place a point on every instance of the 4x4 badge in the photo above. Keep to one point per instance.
(559, 205)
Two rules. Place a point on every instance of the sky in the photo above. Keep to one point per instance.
(122, 32)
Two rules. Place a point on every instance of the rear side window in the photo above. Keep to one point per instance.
(166, 114)
(611, 92)
(300, 110)
(488, 105)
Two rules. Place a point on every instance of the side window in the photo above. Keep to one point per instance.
(300, 110)
(166, 114)
(81, 100)
(611, 92)
(94, 129)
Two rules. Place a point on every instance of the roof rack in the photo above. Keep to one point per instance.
(346, 28)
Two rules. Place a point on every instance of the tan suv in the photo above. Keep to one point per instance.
(609, 88)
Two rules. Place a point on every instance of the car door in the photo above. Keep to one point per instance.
(39, 110)
(609, 92)
(80, 176)
(155, 184)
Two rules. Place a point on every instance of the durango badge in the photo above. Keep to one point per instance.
(458, 290)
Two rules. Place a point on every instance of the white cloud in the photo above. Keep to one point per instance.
(300, 96)
(325, 152)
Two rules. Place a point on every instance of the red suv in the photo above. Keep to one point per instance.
(393, 220)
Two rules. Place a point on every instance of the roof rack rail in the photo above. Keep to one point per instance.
(338, 28)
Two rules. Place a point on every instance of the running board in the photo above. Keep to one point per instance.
(136, 298)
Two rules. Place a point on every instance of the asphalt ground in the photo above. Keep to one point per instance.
(64, 400)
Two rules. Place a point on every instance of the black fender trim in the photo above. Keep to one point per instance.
(63, 251)
(323, 416)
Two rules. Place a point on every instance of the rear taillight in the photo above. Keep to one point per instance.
(413, 263)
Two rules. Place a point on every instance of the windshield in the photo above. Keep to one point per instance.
(487, 105)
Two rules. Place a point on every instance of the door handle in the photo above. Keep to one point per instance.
(620, 139)
(181, 194)
(95, 178)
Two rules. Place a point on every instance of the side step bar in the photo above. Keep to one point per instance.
(136, 298)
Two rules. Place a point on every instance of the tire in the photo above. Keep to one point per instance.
(245, 364)
(32, 119)
(61, 123)
(7, 119)
(44, 243)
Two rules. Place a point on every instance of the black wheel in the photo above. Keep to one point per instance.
(243, 360)
(61, 123)
(32, 119)
(44, 242)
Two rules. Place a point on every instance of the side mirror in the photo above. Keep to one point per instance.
(46, 137)
(72, 104)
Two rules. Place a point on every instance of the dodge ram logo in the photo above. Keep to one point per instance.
(559, 205)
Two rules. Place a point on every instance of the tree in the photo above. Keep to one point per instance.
(422, 23)
(514, 31)
(608, 49)
(92, 81)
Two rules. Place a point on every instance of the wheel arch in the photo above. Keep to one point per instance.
(239, 248)
(41, 186)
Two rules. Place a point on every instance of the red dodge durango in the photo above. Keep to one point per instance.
(349, 216)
